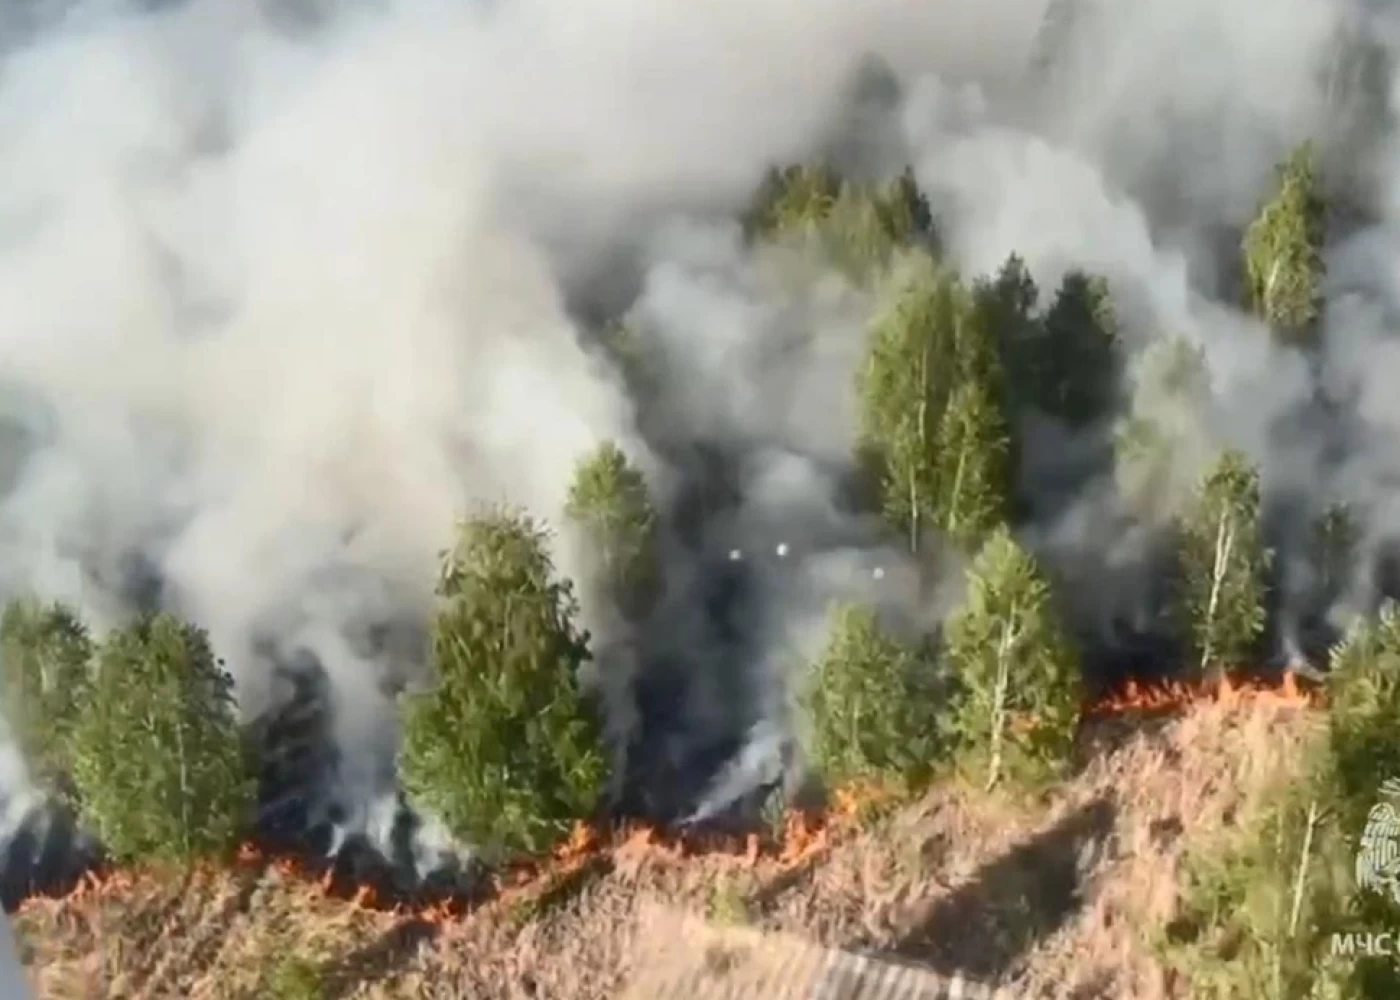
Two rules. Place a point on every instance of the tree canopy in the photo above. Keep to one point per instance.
(161, 766)
(504, 748)
(1283, 250)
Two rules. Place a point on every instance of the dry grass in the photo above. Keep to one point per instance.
(1054, 898)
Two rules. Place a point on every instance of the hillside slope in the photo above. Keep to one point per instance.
(1057, 898)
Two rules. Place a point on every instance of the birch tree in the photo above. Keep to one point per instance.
(161, 767)
(504, 748)
(934, 433)
(45, 653)
(1223, 567)
(1283, 251)
(903, 388)
(1016, 706)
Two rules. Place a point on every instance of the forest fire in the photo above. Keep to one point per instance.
(804, 835)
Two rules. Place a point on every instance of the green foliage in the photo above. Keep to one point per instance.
(1259, 904)
(1007, 302)
(971, 463)
(867, 702)
(609, 501)
(729, 904)
(1363, 704)
(1015, 710)
(1283, 248)
(859, 227)
(505, 749)
(1078, 363)
(294, 977)
(1223, 566)
(933, 433)
(160, 764)
(792, 198)
(45, 654)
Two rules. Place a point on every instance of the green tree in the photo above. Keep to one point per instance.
(1361, 762)
(858, 227)
(610, 503)
(1016, 708)
(1223, 566)
(504, 749)
(1078, 362)
(866, 703)
(1261, 902)
(792, 198)
(162, 769)
(1008, 303)
(971, 462)
(1283, 250)
(46, 653)
(933, 432)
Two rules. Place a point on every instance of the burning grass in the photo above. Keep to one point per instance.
(841, 878)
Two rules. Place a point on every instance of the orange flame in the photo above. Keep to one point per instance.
(804, 835)
(1176, 696)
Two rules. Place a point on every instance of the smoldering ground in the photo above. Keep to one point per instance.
(282, 296)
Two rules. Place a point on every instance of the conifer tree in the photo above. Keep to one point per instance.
(1283, 251)
(160, 764)
(1017, 706)
(1223, 566)
(1007, 303)
(504, 749)
(863, 704)
(1078, 362)
(45, 653)
(610, 502)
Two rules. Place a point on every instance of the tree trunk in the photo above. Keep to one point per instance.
(1224, 545)
(923, 457)
(1302, 876)
(1008, 639)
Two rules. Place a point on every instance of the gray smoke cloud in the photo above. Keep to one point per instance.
(284, 290)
